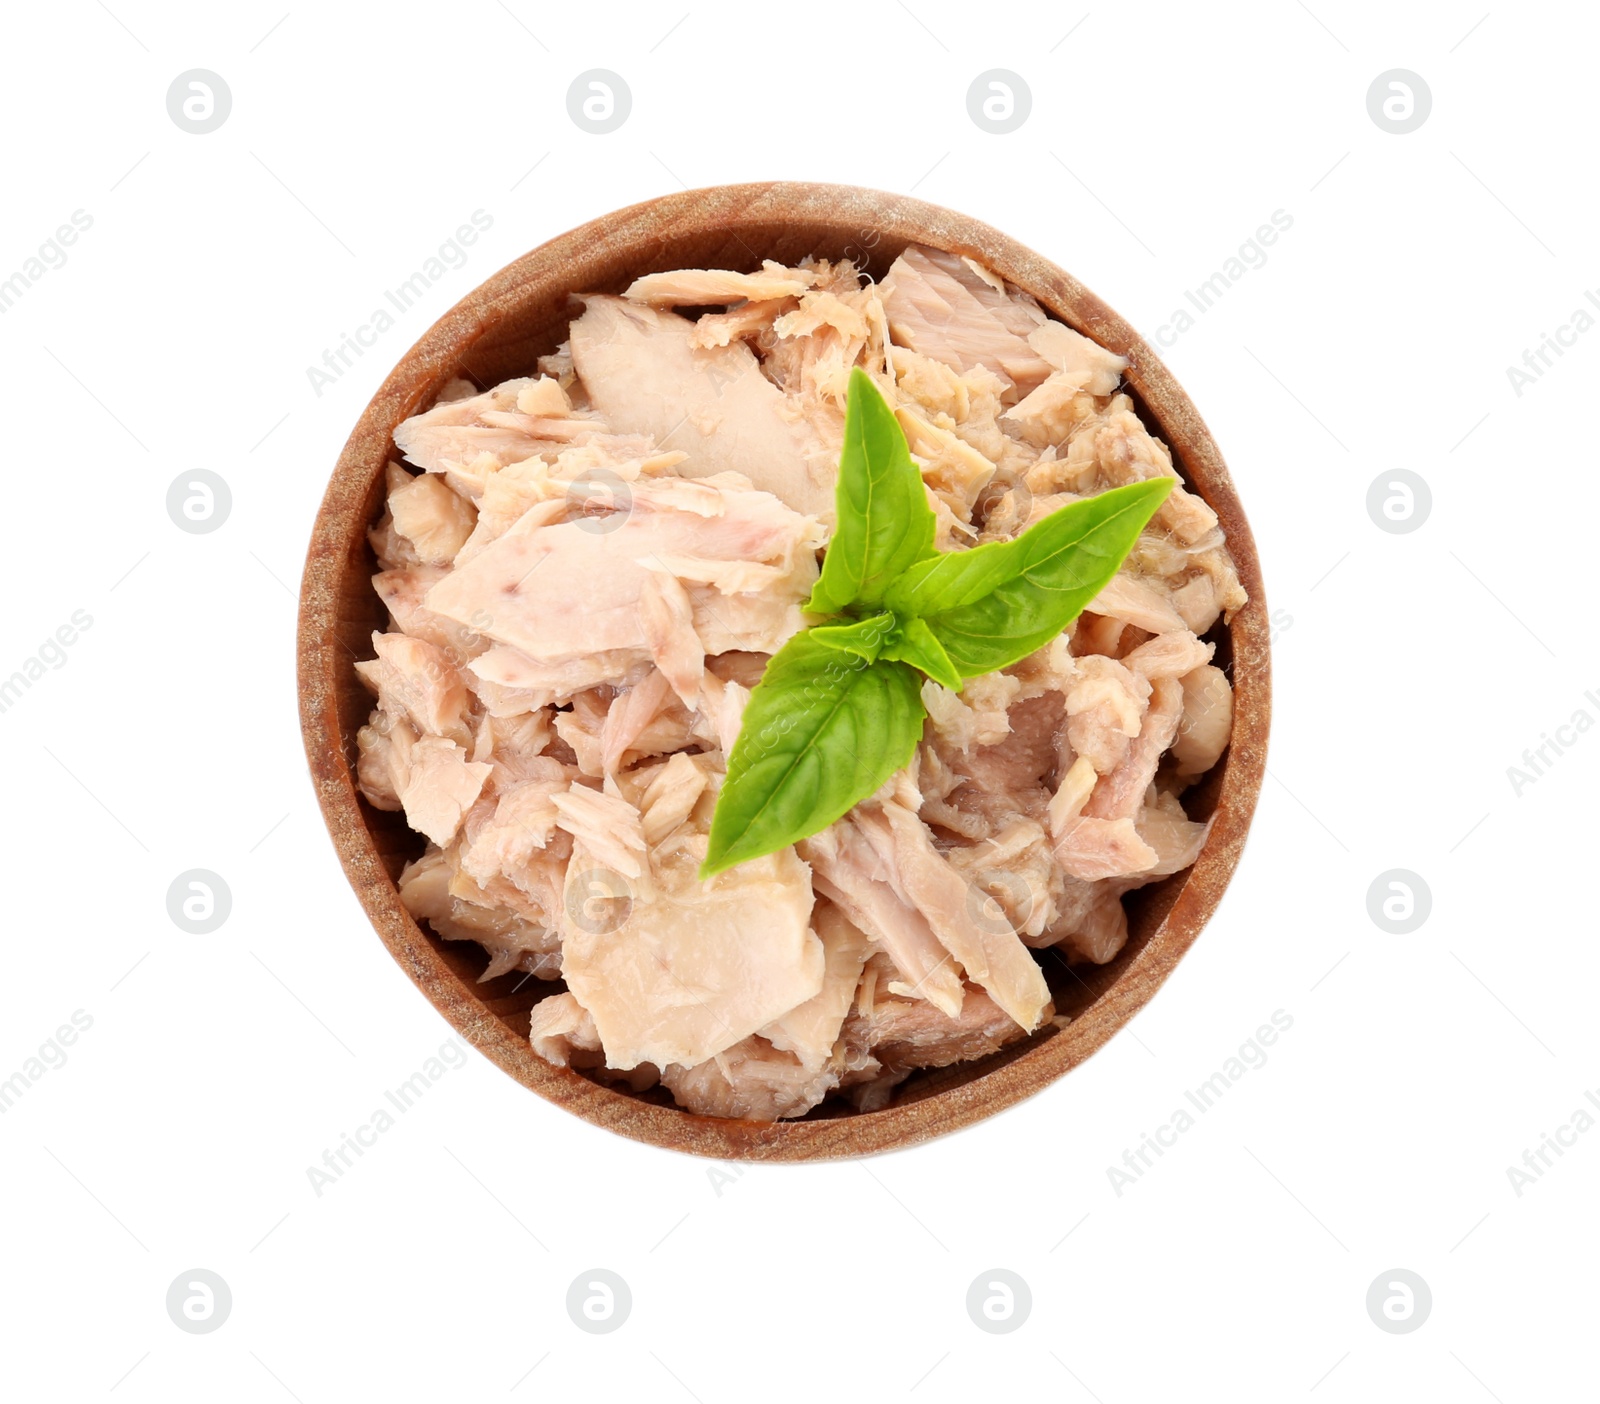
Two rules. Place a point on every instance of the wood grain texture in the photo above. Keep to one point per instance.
(496, 332)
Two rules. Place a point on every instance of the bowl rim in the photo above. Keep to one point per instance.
(344, 512)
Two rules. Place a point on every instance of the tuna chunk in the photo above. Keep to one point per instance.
(1138, 602)
(1105, 705)
(721, 712)
(1070, 353)
(751, 1080)
(426, 775)
(439, 784)
(716, 287)
(937, 315)
(515, 747)
(1218, 564)
(954, 471)
(1207, 721)
(432, 518)
(749, 319)
(1099, 929)
(454, 433)
(467, 442)
(394, 551)
(989, 951)
(403, 591)
(608, 827)
(381, 746)
(1015, 870)
(1081, 370)
(1014, 309)
(810, 1030)
(1169, 655)
(687, 971)
(1176, 839)
(514, 942)
(670, 797)
(1126, 452)
(524, 821)
(646, 376)
(848, 870)
(977, 716)
(630, 715)
(1072, 794)
(519, 590)
(1093, 849)
(667, 614)
(1197, 604)
(1119, 794)
(905, 1034)
(560, 1027)
(1049, 414)
(1025, 756)
(543, 398)
(415, 677)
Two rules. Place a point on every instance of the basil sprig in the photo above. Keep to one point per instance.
(839, 708)
(885, 525)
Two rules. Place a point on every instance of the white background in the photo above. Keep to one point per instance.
(1411, 671)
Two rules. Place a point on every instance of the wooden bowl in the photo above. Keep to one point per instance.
(496, 332)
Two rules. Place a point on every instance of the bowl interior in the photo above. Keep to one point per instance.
(496, 333)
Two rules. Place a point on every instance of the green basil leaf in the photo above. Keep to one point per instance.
(1022, 593)
(864, 638)
(915, 643)
(822, 730)
(884, 522)
(951, 579)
